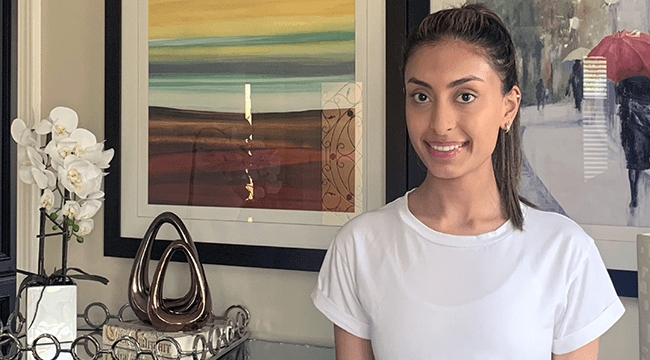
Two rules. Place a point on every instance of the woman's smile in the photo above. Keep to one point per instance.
(446, 150)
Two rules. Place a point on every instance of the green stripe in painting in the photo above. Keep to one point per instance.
(255, 40)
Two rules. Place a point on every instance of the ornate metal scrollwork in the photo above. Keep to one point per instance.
(189, 312)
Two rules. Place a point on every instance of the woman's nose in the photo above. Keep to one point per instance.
(442, 119)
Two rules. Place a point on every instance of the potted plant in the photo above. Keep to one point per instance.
(69, 171)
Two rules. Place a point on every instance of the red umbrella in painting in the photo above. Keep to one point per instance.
(627, 54)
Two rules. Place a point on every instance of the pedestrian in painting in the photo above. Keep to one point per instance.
(461, 267)
(633, 95)
(540, 92)
(575, 84)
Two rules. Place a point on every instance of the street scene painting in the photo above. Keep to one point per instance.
(585, 114)
(253, 104)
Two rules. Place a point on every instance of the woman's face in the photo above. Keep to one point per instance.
(454, 109)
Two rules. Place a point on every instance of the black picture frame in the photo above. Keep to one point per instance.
(115, 245)
(9, 156)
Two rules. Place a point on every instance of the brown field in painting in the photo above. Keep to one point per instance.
(203, 158)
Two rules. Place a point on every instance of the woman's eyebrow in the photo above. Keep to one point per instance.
(463, 80)
(419, 82)
(452, 84)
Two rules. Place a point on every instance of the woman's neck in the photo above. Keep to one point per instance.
(469, 205)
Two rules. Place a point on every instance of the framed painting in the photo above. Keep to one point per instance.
(584, 117)
(258, 123)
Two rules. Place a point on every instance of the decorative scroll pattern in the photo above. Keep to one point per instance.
(341, 116)
(218, 345)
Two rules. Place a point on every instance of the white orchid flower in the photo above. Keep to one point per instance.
(21, 134)
(32, 169)
(96, 195)
(47, 200)
(71, 209)
(23, 159)
(80, 176)
(58, 151)
(107, 156)
(85, 227)
(89, 209)
(87, 147)
(61, 123)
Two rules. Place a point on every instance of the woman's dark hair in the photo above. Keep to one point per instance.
(476, 24)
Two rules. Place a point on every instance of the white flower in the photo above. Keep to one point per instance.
(107, 156)
(58, 151)
(89, 209)
(80, 176)
(61, 123)
(21, 134)
(72, 158)
(32, 169)
(81, 143)
(85, 227)
(86, 146)
(97, 195)
(47, 200)
(71, 209)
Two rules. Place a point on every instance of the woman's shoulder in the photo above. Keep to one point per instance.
(555, 226)
(385, 216)
(371, 227)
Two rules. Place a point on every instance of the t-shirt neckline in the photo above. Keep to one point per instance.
(454, 240)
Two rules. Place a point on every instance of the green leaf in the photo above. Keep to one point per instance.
(54, 216)
(80, 239)
(54, 227)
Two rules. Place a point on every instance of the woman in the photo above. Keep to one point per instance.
(575, 84)
(458, 268)
(633, 94)
(540, 94)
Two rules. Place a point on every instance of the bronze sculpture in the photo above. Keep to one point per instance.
(189, 312)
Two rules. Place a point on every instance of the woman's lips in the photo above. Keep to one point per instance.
(445, 150)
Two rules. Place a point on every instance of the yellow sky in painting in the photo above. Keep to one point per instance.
(211, 18)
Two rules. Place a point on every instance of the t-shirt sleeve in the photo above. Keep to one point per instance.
(336, 294)
(591, 305)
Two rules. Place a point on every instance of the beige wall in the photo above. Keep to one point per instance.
(72, 75)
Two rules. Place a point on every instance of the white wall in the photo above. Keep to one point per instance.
(73, 75)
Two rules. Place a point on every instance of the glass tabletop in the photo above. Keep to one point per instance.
(267, 350)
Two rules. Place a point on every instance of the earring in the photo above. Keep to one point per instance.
(508, 127)
(518, 96)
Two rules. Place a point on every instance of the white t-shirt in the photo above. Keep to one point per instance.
(420, 294)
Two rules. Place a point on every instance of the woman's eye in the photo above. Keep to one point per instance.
(466, 98)
(420, 98)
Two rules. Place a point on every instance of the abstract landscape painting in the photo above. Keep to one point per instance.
(241, 107)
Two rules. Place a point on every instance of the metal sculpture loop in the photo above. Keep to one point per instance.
(189, 312)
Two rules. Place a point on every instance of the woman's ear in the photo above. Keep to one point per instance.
(511, 102)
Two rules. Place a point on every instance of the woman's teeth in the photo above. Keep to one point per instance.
(446, 148)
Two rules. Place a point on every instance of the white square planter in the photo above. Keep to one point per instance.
(54, 314)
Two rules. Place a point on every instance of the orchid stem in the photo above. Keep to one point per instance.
(64, 246)
(41, 244)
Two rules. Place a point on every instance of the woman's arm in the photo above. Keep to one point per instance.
(350, 347)
(587, 352)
